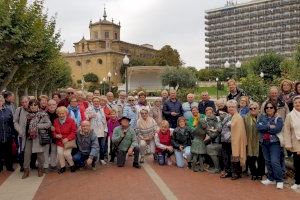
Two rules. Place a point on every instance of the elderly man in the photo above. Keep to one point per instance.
(172, 109)
(110, 100)
(187, 106)
(125, 142)
(97, 93)
(235, 93)
(66, 101)
(205, 103)
(88, 147)
(120, 103)
(20, 121)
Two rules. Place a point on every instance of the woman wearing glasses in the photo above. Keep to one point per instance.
(130, 111)
(269, 125)
(254, 152)
(37, 120)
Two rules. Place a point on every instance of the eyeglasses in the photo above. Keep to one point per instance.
(34, 105)
(70, 92)
(253, 108)
(269, 107)
(130, 100)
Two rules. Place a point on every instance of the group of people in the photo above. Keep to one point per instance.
(228, 136)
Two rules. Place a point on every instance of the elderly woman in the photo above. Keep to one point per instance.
(244, 106)
(187, 106)
(89, 98)
(96, 115)
(37, 122)
(65, 136)
(56, 97)
(76, 112)
(255, 158)
(164, 148)
(164, 96)
(181, 141)
(43, 99)
(238, 141)
(269, 125)
(156, 111)
(81, 100)
(130, 111)
(6, 135)
(145, 129)
(213, 129)
(194, 120)
(142, 103)
(105, 107)
(292, 138)
(287, 93)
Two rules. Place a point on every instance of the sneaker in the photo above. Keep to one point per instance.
(103, 162)
(279, 185)
(268, 182)
(295, 187)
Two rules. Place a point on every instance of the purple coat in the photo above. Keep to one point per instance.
(111, 125)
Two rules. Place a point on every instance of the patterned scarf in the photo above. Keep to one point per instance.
(196, 120)
(33, 119)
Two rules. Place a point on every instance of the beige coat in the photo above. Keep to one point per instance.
(156, 114)
(238, 138)
(289, 137)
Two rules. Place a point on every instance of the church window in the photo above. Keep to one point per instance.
(106, 35)
(100, 61)
(78, 63)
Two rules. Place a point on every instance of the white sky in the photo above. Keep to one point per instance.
(179, 23)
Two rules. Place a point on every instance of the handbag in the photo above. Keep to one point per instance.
(44, 137)
(70, 144)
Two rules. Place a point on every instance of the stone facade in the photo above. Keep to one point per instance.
(104, 52)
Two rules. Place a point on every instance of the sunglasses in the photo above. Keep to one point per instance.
(253, 108)
(131, 100)
(70, 92)
(269, 107)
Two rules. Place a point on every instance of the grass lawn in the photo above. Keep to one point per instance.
(212, 91)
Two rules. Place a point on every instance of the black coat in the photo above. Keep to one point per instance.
(6, 125)
(205, 104)
(172, 106)
(182, 137)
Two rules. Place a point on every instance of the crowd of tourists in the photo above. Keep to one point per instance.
(230, 137)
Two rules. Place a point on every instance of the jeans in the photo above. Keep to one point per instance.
(80, 158)
(102, 144)
(163, 156)
(272, 155)
(181, 155)
(297, 168)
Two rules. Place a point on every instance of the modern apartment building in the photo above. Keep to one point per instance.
(241, 31)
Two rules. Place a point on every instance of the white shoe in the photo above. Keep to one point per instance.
(268, 182)
(279, 185)
(102, 162)
(295, 187)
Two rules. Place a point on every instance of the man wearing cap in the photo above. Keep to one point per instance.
(125, 142)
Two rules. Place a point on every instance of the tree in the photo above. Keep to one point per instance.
(91, 77)
(180, 76)
(167, 56)
(255, 87)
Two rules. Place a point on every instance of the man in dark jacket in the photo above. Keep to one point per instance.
(234, 92)
(66, 101)
(205, 103)
(172, 109)
(88, 146)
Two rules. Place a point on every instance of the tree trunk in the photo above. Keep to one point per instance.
(26, 91)
(8, 78)
(17, 100)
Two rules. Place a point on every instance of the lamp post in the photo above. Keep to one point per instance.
(109, 77)
(261, 74)
(126, 63)
(238, 64)
(226, 64)
(217, 80)
(104, 80)
(100, 86)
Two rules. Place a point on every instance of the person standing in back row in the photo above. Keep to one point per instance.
(172, 109)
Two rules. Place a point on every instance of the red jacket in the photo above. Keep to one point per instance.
(67, 130)
(107, 112)
(165, 139)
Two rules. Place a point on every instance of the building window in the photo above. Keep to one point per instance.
(78, 63)
(96, 35)
(116, 36)
(106, 35)
(100, 61)
(88, 61)
(82, 47)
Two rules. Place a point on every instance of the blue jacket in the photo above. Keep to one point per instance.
(172, 106)
(263, 126)
(244, 111)
(6, 125)
(88, 144)
(205, 104)
(131, 112)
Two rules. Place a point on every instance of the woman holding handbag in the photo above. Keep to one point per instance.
(65, 135)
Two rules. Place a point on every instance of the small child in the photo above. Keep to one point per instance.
(198, 148)
(112, 123)
(164, 148)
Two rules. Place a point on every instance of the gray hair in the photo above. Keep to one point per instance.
(232, 103)
(254, 104)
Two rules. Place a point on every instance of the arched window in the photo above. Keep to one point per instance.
(100, 61)
(88, 61)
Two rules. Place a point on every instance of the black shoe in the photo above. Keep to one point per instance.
(136, 165)
(62, 170)
(235, 176)
(259, 178)
(189, 165)
(73, 168)
(10, 169)
(33, 167)
(21, 169)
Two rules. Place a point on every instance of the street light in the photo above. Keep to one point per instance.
(238, 64)
(100, 86)
(217, 80)
(261, 74)
(126, 63)
(227, 64)
(109, 77)
(104, 80)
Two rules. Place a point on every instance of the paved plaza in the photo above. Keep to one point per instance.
(150, 182)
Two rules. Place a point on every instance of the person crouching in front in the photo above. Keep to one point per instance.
(88, 147)
(125, 141)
